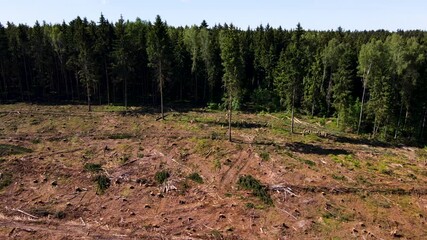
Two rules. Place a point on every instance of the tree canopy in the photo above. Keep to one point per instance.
(372, 82)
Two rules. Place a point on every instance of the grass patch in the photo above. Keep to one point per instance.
(265, 156)
(102, 184)
(41, 212)
(60, 215)
(248, 182)
(202, 145)
(93, 167)
(338, 177)
(217, 164)
(195, 177)
(161, 176)
(250, 205)
(7, 149)
(215, 136)
(5, 180)
(124, 159)
(309, 162)
(305, 161)
(120, 136)
(384, 169)
(113, 108)
(362, 180)
(347, 161)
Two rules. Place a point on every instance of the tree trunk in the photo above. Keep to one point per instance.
(72, 89)
(338, 120)
(88, 97)
(398, 122)
(98, 86)
(64, 74)
(292, 110)
(3, 75)
(180, 89)
(20, 86)
(361, 109)
(312, 106)
(205, 84)
(323, 80)
(329, 94)
(406, 117)
(26, 79)
(161, 91)
(423, 125)
(126, 92)
(196, 89)
(230, 103)
(77, 85)
(108, 81)
(365, 81)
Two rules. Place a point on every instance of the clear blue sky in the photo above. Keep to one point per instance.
(312, 14)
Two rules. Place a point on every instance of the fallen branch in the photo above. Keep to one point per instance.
(288, 213)
(281, 188)
(161, 117)
(81, 219)
(127, 163)
(23, 212)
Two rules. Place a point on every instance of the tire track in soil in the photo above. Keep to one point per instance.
(230, 176)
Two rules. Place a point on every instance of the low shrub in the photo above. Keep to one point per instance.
(161, 176)
(248, 182)
(102, 183)
(5, 180)
(93, 167)
(195, 177)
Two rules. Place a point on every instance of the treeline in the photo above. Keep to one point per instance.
(372, 81)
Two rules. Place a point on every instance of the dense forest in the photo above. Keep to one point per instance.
(372, 82)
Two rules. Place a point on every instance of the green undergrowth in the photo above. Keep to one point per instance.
(102, 183)
(248, 182)
(7, 149)
(161, 176)
(195, 177)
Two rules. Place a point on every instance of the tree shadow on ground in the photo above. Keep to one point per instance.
(314, 149)
(363, 141)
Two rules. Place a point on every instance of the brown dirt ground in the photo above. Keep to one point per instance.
(339, 187)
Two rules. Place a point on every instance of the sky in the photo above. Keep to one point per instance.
(311, 14)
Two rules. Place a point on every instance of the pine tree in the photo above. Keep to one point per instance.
(233, 67)
(290, 73)
(159, 54)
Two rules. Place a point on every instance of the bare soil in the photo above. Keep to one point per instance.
(329, 185)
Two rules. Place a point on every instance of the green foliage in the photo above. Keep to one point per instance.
(161, 176)
(92, 167)
(264, 99)
(217, 164)
(263, 69)
(250, 205)
(338, 177)
(60, 215)
(248, 182)
(309, 162)
(265, 156)
(5, 180)
(195, 177)
(384, 169)
(120, 136)
(102, 183)
(346, 161)
(213, 106)
(7, 149)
